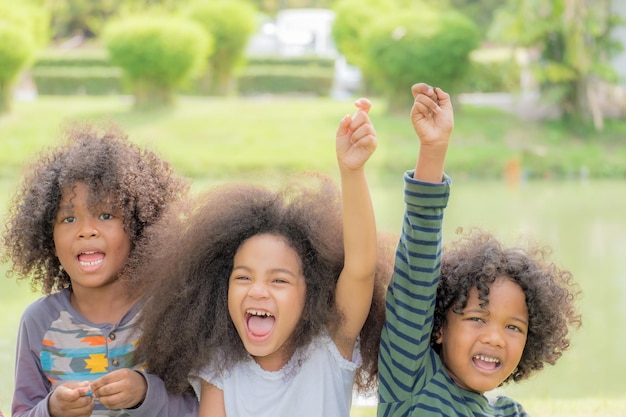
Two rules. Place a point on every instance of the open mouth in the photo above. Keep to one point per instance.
(488, 363)
(90, 259)
(260, 323)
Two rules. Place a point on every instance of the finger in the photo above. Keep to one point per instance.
(422, 88)
(358, 121)
(428, 103)
(443, 98)
(368, 142)
(363, 104)
(363, 131)
(344, 125)
(419, 108)
(117, 400)
(98, 383)
(73, 390)
(85, 391)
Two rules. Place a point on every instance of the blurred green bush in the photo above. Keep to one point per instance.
(230, 23)
(157, 54)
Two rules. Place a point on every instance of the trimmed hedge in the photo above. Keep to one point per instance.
(302, 61)
(285, 79)
(78, 80)
(73, 58)
(89, 71)
(77, 71)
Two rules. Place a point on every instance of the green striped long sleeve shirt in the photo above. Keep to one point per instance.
(412, 379)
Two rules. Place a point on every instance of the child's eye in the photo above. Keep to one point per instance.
(476, 319)
(106, 216)
(69, 219)
(240, 278)
(280, 281)
(514, 328)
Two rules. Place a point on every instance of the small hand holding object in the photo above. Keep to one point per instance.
(123, 388)
(71, 399)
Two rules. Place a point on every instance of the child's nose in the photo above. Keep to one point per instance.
(258, 290)
(493, 335)
(87, 229)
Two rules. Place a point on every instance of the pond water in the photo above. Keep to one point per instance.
(584, 223)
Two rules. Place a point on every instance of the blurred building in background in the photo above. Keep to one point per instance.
(305, 32)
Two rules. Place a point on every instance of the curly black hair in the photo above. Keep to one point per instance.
(137, 182)
(477, 259)
(185, 321)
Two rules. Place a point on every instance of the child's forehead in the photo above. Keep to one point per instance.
(94, 194)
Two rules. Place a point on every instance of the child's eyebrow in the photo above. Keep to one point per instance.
(520, 320)
(482, 311)
(273, 270)
(67, 207)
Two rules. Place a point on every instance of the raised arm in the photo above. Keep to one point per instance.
(404, 356)
(433, 121)
(355, 143)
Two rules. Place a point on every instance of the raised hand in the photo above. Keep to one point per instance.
(356, 138)
(431, 114)
(432, 117)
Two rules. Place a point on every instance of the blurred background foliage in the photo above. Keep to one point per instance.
(560, 50)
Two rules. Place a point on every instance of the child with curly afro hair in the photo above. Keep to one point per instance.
(477, 265)
(463, 323)
(272, 301)
(73, 226)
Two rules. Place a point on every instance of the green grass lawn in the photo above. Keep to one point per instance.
(585, 407)
(261, 136)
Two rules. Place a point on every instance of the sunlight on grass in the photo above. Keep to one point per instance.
(588, 407)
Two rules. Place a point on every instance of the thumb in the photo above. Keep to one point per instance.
(66, 393)
(344, 125)
(443, 98)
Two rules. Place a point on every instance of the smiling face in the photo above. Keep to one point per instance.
(92, 245)
(482, 346)
(266, 295)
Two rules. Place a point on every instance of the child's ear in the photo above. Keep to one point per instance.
(439, 334)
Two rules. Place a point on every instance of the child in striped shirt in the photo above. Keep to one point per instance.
(459, 326)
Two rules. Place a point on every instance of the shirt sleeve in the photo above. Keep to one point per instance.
(410, 301)
(32, 389)
(159, 403)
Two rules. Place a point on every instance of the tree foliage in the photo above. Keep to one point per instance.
(16, 49)
(157, 54)
(351, 24)
(480, 12)
(272, 7)
(23, 29)
(574, 44)
(230, 23)
(420, 45)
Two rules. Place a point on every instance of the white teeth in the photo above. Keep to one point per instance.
(91, 263)
(487, 358)
(259, 313)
